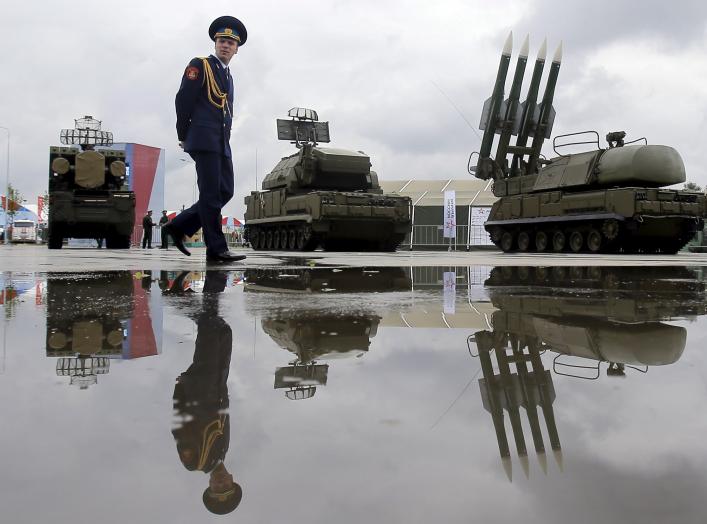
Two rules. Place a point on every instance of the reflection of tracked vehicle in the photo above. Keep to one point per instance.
(603, 200)
(315, 280)
(323, 196)
(313, 338)
(85, 337)
(314, 333)
(88, 188)
(588, 318)
(622, 322)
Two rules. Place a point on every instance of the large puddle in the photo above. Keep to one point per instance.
(348, 395)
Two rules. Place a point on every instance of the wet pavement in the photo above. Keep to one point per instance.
(308, 391)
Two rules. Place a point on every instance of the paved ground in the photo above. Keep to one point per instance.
(37, 258)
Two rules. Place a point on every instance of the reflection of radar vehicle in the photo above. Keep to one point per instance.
(603, 200)
(314, 337)
(84, 335)
(313, 332)
(323, 196)
(88, 188)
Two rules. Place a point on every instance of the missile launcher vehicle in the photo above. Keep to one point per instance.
(610, 199)
(88, 188)
(323, 196)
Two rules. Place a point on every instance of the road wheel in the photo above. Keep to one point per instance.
(269, 239)
(523, 241)
(594, 240)
(256, 238)
(558, 241)
(507, 241)
(292, 239)
(541, 241)
(305, 239)
(610, 228)
(495, 234)
(576, 241)
(276, 240)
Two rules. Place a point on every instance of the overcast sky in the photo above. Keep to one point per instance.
(381, 72)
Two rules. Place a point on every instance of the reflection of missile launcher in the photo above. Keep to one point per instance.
(613, 315)
(603, 200)
(323, 196)
(598, 294)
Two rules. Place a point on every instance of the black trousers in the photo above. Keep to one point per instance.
(214, 175)
(147, 237)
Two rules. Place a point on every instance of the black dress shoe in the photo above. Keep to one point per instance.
(226, 256)
(177, 237)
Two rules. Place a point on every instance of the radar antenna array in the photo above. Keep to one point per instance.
(303, 128)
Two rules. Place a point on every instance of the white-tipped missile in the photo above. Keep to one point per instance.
(542, 52)
(508, 467)
(508, 45)
(542, 459)
(547, 113)
(528, 107)
(492, 107)
(525, 464)
(513, 111)
(558, 54)
(525, 47)
(559, 459)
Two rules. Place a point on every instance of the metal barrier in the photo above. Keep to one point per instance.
(432, 237)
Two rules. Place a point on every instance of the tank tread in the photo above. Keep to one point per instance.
(597, 236)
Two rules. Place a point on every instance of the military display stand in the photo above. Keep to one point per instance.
(88, 188)
(323, 196)
(603, 200)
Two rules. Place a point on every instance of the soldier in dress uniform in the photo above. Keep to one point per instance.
(204, 106)
(201, 401)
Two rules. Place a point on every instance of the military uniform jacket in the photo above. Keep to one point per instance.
(201, 124)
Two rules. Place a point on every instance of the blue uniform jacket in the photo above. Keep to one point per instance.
(201, 126)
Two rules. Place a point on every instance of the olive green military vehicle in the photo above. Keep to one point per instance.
(604, 200)
(323, 196)
(88, 188)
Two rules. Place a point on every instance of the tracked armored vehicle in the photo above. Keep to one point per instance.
(88, 188)
(323, 196)
(604, 200)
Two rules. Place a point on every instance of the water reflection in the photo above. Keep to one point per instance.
(314, 335)
(588, 317)
(93, 319)
(201, 398)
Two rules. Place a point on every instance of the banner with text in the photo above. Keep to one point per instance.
(450, 214)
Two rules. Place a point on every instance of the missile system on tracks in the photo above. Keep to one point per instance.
(611, 200)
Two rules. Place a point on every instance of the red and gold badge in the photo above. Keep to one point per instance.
(192, 73)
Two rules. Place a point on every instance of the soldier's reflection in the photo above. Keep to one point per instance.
(201, 402)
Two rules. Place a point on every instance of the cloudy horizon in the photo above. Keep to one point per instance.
(397, 79)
